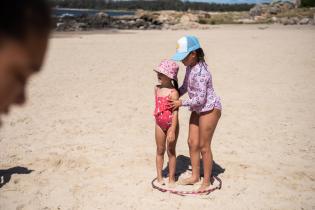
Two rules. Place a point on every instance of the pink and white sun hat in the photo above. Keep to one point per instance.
(168, 68)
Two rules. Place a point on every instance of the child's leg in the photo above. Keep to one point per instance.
(207, 124)
(160, 138)
(171, 152)
(194, 150)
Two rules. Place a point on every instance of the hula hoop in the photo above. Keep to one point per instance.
(184, 193)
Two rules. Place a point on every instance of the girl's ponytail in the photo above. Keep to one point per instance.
(200, 55)
(175, 83)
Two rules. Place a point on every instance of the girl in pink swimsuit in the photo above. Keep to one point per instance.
(166, 128)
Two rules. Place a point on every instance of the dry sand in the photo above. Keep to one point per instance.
(87, 130)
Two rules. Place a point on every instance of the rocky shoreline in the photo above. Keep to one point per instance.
(278, 13)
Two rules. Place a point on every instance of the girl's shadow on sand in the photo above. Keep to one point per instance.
(183, 164)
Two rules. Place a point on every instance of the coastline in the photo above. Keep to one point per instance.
(277, 13)
(61, 34)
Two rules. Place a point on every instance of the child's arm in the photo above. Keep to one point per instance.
(183, 88)
(200, 95)
(172, 130)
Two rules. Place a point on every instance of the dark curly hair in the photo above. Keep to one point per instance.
(19, 18)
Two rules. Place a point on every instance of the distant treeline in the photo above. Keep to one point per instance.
(150, 5)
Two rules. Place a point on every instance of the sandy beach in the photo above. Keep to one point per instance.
(85, 139)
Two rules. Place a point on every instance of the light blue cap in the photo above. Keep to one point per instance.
(185, 45)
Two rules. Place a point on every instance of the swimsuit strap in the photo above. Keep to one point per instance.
(155, 91)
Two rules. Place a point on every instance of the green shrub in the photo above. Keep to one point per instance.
(203, 21)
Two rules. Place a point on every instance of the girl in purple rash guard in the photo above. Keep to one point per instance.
(204, 104)
(198, 83)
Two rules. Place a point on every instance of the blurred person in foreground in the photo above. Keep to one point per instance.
(24, 32)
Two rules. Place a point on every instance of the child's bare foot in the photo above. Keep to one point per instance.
(171, 184)
(203, 187)
(160, 182)
(188, 181)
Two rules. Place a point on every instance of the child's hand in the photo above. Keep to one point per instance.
(170, 137)
(174, 104)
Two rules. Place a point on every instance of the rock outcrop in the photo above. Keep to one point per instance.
(140, 21)
(277, 12)
(283, 12)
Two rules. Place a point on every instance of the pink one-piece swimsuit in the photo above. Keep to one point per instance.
(162, 113)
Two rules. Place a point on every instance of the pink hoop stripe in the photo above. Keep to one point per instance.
(183, 193)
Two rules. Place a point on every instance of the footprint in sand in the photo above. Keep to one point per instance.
(79, 148)
(16, 181)
(20, 207)
(57, 163)
(244, 166)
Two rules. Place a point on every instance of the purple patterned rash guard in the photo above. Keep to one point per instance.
(198, 84)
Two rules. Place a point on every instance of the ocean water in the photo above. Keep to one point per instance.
(79, 12)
